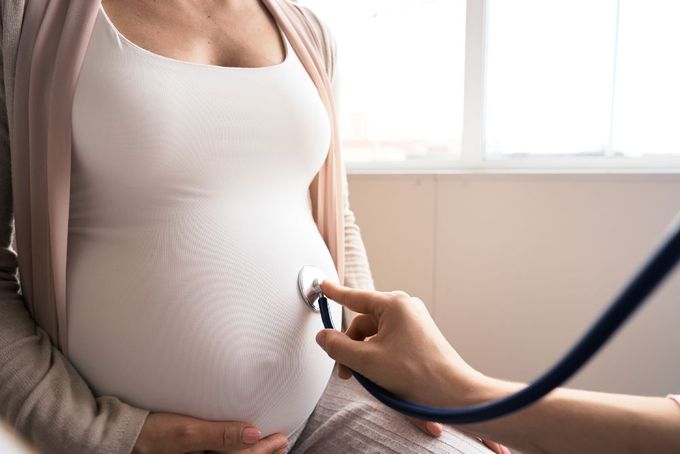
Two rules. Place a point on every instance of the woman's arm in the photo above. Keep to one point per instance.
(357, 270)
(428, 370)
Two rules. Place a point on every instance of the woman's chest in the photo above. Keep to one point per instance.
(144, 123)
(241, 34)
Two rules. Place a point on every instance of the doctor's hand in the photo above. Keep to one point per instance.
(171, 433)
(395, 343)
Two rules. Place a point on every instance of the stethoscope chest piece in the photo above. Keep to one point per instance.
(309, 279)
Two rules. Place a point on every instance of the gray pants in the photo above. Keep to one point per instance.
(349, 420)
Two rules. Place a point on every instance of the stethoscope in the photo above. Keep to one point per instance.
(654, 271)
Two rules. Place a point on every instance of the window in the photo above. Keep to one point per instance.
(402, 95)
(503, 83)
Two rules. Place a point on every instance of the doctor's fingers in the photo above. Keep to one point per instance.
(361, 327)
(362, 301)
(353, 354)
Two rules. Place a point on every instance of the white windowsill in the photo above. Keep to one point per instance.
(521, 166)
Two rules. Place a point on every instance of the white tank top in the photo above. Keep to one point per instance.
(190, 218)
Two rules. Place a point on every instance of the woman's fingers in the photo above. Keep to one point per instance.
(168, 433)
(362, 301)
(497, 448)
(431, 428)
(193, 434)
(273, 444)
(201, 435)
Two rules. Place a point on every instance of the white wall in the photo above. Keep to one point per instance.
(515, 267)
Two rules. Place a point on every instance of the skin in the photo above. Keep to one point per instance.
(170, 433)
(236, 33)
(565, 421)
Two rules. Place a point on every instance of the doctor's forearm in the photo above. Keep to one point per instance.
(574, 421)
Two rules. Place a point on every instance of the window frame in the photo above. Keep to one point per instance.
(473, 156)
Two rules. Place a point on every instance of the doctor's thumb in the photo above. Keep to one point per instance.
(341, 348)
(323, 335)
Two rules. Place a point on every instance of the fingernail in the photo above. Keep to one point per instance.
(321, 339)
(434, 428)
(250, 435)
(283, 450)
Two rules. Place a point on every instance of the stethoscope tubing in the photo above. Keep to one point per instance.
(654, 271)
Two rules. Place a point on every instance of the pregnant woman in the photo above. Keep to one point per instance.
(199, 182)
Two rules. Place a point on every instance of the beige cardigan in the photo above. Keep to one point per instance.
(41, 394)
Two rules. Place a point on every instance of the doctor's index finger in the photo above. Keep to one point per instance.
(363, 301)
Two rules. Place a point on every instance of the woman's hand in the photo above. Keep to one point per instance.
(170, 433)
(394, 342)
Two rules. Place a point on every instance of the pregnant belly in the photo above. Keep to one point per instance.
(200, 315)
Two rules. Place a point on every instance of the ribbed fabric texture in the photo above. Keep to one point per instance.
(188, 229)
(349, 420)
(41, 393)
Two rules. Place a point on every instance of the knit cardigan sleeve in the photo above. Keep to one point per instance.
(41, 393)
